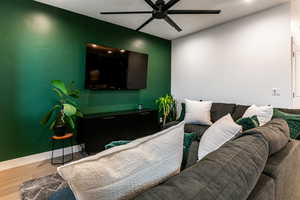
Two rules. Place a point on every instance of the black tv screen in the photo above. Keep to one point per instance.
(115, 69)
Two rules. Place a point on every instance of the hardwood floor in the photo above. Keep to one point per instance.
(11, 179)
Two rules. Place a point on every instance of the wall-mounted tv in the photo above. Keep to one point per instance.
(115, 69)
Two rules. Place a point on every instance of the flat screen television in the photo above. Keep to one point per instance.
(114, 69)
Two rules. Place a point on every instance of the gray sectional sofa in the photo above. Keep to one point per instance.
(260, 164)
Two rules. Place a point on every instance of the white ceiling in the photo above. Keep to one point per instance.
(231, 9)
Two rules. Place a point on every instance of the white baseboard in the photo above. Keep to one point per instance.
(36, 158)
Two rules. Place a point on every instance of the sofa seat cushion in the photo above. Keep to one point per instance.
(194, 128)
(276, 132)
(264, 189)
(231, 172)
(219, 110)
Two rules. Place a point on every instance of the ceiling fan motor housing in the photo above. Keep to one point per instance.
(161, 10)
(159, 13)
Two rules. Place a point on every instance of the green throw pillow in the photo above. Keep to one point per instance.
(187, 142)
(116, 143)
(248, 122)
(293, 121)
(182, 114)
(189, 138)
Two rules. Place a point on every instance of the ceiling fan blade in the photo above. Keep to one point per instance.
(172, 23)
(170, 4)
(129, 12)
(144, 24)
(173, 12)
(150, 3)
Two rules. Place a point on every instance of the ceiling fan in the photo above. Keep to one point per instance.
(161, 10)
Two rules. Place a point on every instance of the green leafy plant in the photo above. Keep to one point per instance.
(66, 111)
(167, 108)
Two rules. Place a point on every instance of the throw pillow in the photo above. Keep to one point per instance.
(263, 113)
(182, 113)
(197, 112)
(248, 122)
(124, 171)
(217, 134)
(116, 143)
(293, 121)
(62, 194)
(189, 138)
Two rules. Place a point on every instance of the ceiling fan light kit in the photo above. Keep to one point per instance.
(161, 10)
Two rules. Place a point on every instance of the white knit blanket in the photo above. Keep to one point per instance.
(123, 172)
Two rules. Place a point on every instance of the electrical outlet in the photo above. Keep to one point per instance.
(276, 92)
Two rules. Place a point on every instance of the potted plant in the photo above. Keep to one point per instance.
(167, 108)
(63, 115)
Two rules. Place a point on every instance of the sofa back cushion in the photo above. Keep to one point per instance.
(231, 172)
(239, 111)
(124, 171)
(219, 110)
(291, 111)
(276, 132)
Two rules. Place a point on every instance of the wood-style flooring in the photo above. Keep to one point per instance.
(11, 179)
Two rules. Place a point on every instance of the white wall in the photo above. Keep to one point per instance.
(240, 61)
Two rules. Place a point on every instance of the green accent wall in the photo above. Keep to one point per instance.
(40, 43)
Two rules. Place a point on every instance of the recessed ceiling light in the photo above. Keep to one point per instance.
(122, 50)
(110, 52)
(248, 1)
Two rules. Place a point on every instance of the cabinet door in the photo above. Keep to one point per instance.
(125, 127)
(148, 123)
(98, 132)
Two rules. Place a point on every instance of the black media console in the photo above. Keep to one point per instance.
(97, 130)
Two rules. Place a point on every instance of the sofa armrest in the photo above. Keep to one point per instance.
(284, 168)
